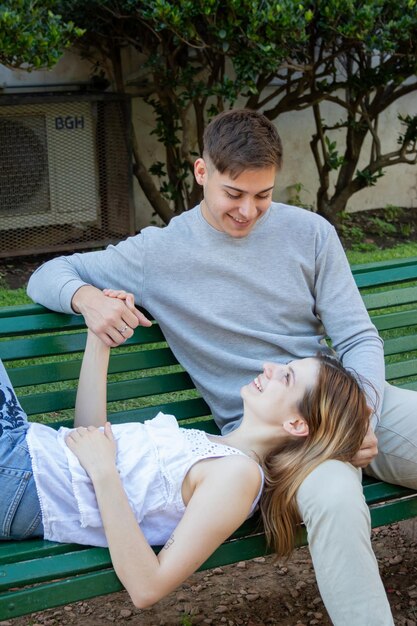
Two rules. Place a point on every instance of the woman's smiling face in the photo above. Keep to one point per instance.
(275, 394)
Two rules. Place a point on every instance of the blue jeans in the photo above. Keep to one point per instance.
(20, 512)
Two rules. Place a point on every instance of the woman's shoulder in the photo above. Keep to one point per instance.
(235, 472)
(233, 483)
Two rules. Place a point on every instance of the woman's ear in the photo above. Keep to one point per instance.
(296, 426)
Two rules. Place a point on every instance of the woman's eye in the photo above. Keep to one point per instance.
(287, 378)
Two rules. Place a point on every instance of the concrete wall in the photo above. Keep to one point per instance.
(70, 69)
(397, 187)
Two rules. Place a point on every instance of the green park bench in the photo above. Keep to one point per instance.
(42, 352)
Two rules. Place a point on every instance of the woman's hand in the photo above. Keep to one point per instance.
(126, 328)
(127, 297)
(95, 449)
(110, 316)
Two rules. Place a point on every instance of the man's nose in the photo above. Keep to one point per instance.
(247, 208)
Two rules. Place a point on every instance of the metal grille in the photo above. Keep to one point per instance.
(65, 172)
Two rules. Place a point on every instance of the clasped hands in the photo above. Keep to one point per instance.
(110, 314)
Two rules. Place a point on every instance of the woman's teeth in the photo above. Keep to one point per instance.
(258, 384)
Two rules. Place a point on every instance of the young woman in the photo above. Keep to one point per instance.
(132, 485)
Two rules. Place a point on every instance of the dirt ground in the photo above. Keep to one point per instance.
(252, 593)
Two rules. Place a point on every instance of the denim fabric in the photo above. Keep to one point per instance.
(11, 413)
(20, 512)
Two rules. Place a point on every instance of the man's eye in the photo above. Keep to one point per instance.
(287, 378)
(230, 195)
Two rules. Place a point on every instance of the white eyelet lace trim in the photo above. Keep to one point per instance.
(204, 448)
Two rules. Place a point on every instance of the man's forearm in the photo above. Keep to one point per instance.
(367, 361)
(83, 297)
(53, 285)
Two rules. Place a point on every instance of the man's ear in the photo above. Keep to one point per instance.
(200, 171)
(296, 426)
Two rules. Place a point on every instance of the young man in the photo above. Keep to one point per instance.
(235, 282)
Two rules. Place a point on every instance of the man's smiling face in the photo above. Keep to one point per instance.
(234, 205)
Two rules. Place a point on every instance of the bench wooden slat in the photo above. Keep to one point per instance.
(12, 552)
(49, 595)
(188, 409)
(412, 385)
(70, 370)
(182, 409)
(394, 297)
(389, 276)
(388, 264)
(391, 512)
(66, 344)
(48, 322)
(379, 491)
(51, 401)
(400, 319)
(399, 345)
(19, 310)
(401, 370)
(39, 570)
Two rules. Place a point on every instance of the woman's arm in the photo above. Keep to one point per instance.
(216, 508)
(91, 401)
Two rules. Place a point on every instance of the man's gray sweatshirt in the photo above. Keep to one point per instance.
(227, 305)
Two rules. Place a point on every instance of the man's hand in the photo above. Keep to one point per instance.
(368, 450)
(111, 317)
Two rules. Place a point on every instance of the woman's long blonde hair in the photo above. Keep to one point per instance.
(337, 415)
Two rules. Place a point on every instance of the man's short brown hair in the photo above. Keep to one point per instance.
(240, 140)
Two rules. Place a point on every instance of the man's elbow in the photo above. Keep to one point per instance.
(29, 289)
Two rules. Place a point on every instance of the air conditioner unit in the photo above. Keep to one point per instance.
(48, 165)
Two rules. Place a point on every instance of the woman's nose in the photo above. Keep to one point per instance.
(273, 369)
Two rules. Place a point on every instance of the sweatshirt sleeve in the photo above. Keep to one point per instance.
(54, 283)
(346, 320)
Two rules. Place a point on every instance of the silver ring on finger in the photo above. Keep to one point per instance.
(123, 329)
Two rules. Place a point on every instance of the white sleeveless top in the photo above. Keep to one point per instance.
(152, 458)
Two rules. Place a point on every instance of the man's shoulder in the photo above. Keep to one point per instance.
(295, 214)
(298, 224)
(177, 224)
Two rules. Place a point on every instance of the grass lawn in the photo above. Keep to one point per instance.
(9, 297)
(397, 252)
